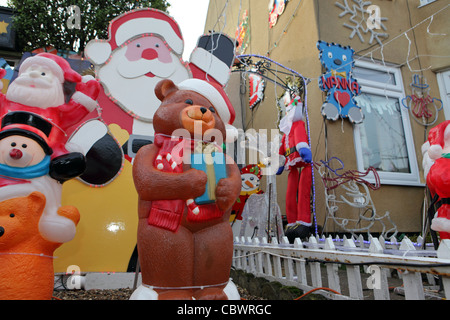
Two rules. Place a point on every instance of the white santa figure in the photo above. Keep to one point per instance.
(144, 47)
(38, 89)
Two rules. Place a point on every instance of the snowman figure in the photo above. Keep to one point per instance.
(420, 103)
(251, 177)
(26, 166)
(18, 151)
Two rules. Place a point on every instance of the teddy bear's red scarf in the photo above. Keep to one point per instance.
(167, 214)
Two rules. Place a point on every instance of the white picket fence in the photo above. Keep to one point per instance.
(369, 265)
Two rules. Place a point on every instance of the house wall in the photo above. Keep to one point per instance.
(292, 42)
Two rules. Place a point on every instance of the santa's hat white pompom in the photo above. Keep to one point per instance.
(98, 51)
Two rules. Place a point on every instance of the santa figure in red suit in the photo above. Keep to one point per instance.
(38, 89)
(296, 150)
(438, 176)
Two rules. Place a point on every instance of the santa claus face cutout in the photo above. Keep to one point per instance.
(145, 47)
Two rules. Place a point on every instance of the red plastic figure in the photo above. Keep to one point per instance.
(39, 90)
(295, 148)
(438, 178)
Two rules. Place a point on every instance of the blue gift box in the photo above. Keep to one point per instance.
(214, 166)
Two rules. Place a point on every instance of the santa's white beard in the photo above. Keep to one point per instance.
(41, 97)
(136, 94)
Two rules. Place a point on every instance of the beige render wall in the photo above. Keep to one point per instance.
(296, 48)
(404, 203)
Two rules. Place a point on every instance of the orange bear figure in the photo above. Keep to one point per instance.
(26, 258)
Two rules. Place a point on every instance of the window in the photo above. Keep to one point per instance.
(444, 88)
(384, 139)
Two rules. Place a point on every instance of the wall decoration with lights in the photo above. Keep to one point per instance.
(276, 8)
(339, 83)
(242, 34)
(421, 105)
(365, 18)
(256, 92)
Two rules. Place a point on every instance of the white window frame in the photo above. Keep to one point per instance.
(423, 3)
(443, 79)
(392, 91)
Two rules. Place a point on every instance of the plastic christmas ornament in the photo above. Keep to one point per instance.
(438, 176)
(25, 255)
(172, 226)
(38, 90)
(251, 179)
(297, 152)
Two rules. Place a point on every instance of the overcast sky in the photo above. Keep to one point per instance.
(190, 15)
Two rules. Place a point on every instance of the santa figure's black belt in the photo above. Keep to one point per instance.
(442, 202)
(290, 151)
(136, 142)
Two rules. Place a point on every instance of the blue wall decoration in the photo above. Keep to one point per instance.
(339, 83)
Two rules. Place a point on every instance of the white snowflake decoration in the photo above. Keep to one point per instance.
(360, 18)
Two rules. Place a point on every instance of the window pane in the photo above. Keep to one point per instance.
(374, 75)
(382, 134)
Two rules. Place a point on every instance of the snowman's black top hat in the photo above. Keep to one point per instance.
(29, 125)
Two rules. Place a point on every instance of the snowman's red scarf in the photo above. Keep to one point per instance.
(7, 181)
(167, 214)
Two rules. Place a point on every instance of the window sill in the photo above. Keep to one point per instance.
(424, 3)
(397, 182)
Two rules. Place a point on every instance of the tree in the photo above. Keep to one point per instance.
(41, 23)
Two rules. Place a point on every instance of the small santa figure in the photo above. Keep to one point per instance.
(295, 148)
(438, 176)
(38, 90)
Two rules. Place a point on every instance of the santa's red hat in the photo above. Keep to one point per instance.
(254, 169)
(219, 99)
(58, 65)
(437, 134)
(145, 21)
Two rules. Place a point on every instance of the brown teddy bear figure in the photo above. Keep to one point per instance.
(185, 241)
(26, 258)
